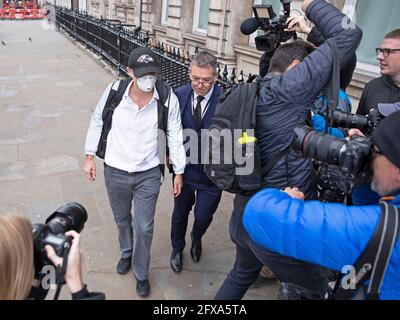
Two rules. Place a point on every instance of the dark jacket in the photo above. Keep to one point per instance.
(38, 293)
(380, 90)
(287, 99)
(194, 172)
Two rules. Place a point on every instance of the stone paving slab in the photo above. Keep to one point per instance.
(48, 90)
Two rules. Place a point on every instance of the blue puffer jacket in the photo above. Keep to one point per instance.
(330, 235)
(287, 99)
(319, 110)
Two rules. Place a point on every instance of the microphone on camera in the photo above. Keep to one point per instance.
(249, 26)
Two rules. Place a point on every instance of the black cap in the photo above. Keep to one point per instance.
(143, 61)
(387, 138)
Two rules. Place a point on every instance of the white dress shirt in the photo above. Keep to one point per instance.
(205, 103)
(132, 143)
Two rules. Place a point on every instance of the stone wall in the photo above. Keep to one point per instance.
(223, 37)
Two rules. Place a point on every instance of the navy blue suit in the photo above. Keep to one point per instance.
(197, 189)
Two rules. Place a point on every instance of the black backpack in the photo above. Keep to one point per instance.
(233, 161)
(113, 100)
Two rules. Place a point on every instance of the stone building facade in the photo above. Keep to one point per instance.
(214, 25)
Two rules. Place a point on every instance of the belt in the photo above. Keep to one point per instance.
(127, 172)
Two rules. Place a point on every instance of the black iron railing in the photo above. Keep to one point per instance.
(113, 41)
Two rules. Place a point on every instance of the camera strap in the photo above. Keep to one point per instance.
(61, 270)
(332, 89)
(374, 260)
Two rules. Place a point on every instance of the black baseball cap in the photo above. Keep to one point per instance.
(143, 61)
(387, 136)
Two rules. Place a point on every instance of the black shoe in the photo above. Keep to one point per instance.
(195, 250)
(176, 261)
(143, 288)
(124, 265)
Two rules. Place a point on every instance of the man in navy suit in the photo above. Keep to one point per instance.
(197, 102)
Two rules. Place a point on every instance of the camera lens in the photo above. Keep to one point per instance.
(71, 216)
(318, 146)
(348, 120)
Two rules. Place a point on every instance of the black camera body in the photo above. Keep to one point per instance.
(344, 164)
(71, 216)
(273, 26)
(366, 124)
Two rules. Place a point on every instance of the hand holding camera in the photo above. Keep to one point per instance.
(57, 242)
(73, 275)
(298, 24)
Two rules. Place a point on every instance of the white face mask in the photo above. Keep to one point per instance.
(146, 83)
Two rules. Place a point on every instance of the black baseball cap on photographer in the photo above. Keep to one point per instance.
(387, 138)
(143, 61)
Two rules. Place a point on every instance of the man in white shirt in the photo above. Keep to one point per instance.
(128, 130)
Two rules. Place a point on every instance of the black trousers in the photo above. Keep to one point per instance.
(205, 202)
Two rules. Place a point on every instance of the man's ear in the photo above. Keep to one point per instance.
(130, 73)
(293, 64)
(215, 78)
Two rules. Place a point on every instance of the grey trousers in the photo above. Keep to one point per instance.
(135, 223)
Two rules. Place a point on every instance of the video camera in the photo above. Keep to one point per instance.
(345, 164)
(366, 124)
(71, 216)
(272, 24)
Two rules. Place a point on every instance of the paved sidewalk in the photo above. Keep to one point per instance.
(48, 89)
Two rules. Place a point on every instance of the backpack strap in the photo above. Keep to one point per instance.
(164, 93)
(115, 96)
(386, 246)
(374, 260)
(332, 89)
(113, 100)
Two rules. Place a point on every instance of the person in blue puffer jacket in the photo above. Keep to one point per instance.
(327, 234)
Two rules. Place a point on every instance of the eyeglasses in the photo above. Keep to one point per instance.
(196, 80)
(386, 51)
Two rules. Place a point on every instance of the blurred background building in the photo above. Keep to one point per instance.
(214, 25)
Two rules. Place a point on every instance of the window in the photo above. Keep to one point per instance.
(200, 20)
(164, 13)
(375, 18)
(276, 5)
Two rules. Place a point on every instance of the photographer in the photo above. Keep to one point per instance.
(298, 73)
(332, 235)
(318, 118)
(17, 269)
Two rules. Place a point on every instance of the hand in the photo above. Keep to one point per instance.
(73, 275)
(355, 133)
(298, 24)
(90, 168)
(294, 193)
(178, 183)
